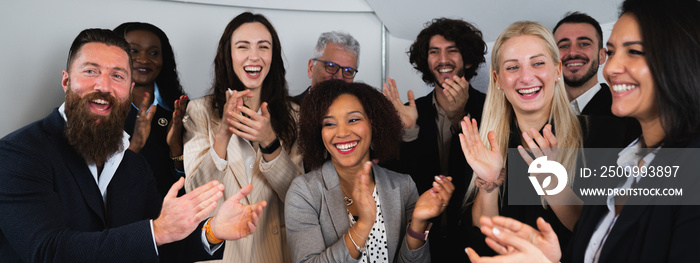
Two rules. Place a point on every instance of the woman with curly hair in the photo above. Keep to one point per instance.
(245, 131)
(155, 120)
(348, 209)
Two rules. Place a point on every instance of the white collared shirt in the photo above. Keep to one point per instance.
(110, 167)
(579, 103)
(108, 171)
(627, 157)
(157, 100)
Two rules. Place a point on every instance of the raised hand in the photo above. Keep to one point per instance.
(179, 216)
(486, 163)
(456, 91)
(545, 145)
(142, 127)
(518, 242)
(363, 199)
(235, 220)
(223, 135)
(408, 113)
(174, 137)
(253, 126)
(434, 201)
(545, 240)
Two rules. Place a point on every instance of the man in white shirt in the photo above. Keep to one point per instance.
(579, 38)
(73, 192)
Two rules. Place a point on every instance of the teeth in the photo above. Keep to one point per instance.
(100, 101)
(254, 69)
(574, 65)
(445, 70)
(346, 146)
(529, 91)
(623, 87)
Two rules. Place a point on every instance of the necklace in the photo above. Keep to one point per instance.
(348, 200)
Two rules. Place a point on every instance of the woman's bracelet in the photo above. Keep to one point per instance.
(358, 248)
(177, 158)
(353, 230)
(490, 186)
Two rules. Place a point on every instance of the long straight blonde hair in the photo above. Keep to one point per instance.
(498, 112)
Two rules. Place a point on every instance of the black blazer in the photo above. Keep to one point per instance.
(53, 210)
(598, 132)
(156, 149)
(646, 233)
(420, 158)
(600, 104)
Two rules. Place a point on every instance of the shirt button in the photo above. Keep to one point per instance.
(251, 166)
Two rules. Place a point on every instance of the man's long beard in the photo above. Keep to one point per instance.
(93, 136)
(578, 82)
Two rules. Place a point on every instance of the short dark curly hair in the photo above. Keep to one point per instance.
(384, 119)
(466, 36)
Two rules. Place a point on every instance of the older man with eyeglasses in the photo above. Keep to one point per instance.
(336, 56)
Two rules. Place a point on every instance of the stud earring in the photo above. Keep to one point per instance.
(498, 87)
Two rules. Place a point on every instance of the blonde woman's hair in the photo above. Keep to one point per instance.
(498, 112)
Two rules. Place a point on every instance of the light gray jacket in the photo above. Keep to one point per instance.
(316, 216)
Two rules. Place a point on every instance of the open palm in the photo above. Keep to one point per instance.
(486, 163)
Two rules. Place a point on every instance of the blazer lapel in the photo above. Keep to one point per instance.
(336, 204)
(236, 164)
(76, 165)
(628, 218)
(392, 205)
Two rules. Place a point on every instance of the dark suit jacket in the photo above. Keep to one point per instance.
(420, 158)
(600, 103)
(53, 210)
(156, 149)
(646, 233)
(299, 98)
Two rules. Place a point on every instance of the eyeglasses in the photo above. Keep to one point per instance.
(333, 68)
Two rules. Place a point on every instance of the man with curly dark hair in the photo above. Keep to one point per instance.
(447, 52)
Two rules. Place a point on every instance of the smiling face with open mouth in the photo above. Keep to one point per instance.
(527, 74)
(99, 68)
(444, 59)
(347, 133)
(251, 54)
(578, 45)
(628, 74)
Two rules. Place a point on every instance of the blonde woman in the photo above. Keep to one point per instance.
(525, 101)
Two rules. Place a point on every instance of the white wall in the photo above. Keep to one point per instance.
(37, 34)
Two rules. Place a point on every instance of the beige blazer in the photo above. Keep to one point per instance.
(268, 244)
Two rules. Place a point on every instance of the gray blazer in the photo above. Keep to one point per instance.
(316, 216)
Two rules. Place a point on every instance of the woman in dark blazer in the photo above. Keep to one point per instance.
(659, 86)
(158, 102)
(346, 209)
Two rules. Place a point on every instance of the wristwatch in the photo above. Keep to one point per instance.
(270, 148)
(420, 236)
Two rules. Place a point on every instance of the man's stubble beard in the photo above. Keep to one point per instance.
(95, 141)
(591, 73)
(438, 84)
